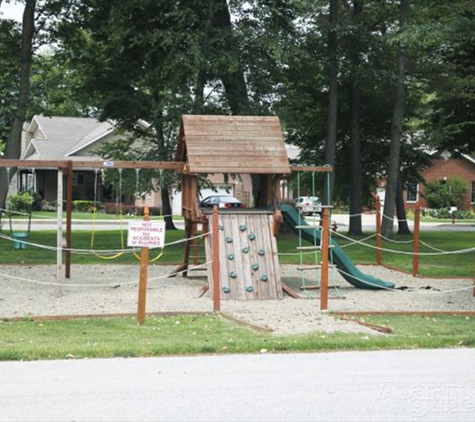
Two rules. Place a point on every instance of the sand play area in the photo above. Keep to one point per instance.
(28, 291)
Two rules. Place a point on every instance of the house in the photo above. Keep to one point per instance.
(444, 165)
(74, 138)
(64, 138)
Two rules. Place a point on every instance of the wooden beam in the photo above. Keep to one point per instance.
(310, 168)
(84, 164)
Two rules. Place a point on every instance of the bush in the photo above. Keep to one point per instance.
(110, 208)
(83, 206)
(446, 193)
(21, 201)
(37, 204)
(446, 214)
(49, 206)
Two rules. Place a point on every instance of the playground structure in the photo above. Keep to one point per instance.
(228, 145)
(243, 239)
(238, 145)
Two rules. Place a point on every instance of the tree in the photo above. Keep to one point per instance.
(10, 45)
(355, 106)
(136, 59)
(330, 144)
(396, 131)
(13, 144)
(453, 80)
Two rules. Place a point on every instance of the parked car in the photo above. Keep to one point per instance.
(222, 201)
(308, 205)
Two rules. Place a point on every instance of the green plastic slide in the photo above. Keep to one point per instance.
(343, 264)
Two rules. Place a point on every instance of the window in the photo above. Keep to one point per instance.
(472, 196)
(78, 179)
(412, 193)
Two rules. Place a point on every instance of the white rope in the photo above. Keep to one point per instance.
(396, 241)
(431, 247)
(47, 283)
(102, 251)
(357, 241)
(461, 251)
(412, 290)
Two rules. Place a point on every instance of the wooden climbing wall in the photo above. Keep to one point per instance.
(249, 263)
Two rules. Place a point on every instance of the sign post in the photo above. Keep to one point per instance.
(145, 234)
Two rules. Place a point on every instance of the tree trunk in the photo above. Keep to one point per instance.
(162, 156)
(396, 133)
(13, 145)
(330, 145)
(356, 190)
(403, 227)
(202, 73)
(232, 74)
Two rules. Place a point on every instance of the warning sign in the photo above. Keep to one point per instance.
(146, 234)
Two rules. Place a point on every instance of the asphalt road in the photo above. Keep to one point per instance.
(416, 385)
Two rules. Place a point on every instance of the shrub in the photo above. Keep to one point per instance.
(446, 193)
(48, 206)
(37, 204)
(83, 206)
(21, 201)
(445, 213)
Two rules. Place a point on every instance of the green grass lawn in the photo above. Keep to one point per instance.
(210, 334)
(182, 335)
(440, 261)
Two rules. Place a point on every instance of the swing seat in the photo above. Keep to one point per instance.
(19, 239)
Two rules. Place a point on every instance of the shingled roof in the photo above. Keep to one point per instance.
(63, 137)
(232, 144)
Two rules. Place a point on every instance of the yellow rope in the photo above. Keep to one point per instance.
(106, 257)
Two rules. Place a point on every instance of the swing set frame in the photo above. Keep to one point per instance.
(66, 168)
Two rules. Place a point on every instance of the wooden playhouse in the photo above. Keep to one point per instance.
(249, 264)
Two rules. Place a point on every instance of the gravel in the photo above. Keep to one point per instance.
(27, 291)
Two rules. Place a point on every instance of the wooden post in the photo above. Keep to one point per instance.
(194, 233)
(415, 256)
(473, 292)
(216, 283)
(379, 243)
(143, 277)
(59, 233)
(69, 210)
(324, 268)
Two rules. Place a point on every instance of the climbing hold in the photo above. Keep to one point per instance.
(232, 274)
(221, 227)
(229, 240)
(245, 249)
(252, 236)
(250, 289)
(255, 267)
(242, 227)
(226, 289)
(261, 252)
(231, 256)
(263, 277)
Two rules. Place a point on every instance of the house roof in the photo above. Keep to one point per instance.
(232, 144)
(445, 153)
(62, 137)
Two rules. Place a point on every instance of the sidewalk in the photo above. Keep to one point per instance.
(368, 222)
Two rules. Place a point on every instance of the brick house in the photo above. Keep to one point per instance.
(445, 165)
